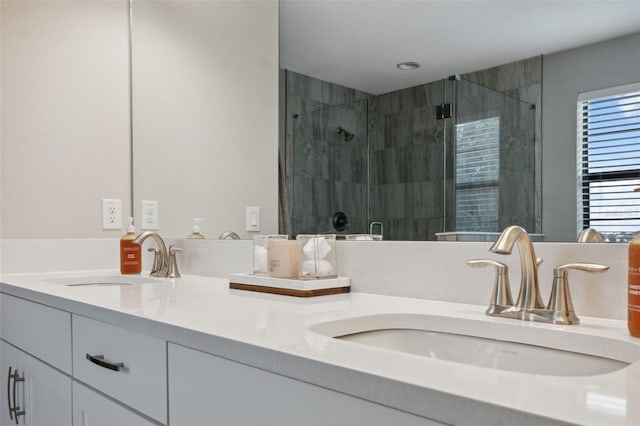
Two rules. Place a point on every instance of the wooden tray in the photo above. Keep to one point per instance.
(290, 287)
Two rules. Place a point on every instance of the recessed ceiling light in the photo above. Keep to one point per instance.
(408, 65)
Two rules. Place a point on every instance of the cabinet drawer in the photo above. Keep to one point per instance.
(37, 329)
(141, 381)
(93, 409)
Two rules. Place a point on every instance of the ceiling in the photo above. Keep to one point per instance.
(357, 43)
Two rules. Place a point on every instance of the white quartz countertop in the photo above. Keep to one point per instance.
(276, 333)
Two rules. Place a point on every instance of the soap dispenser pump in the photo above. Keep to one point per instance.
(130, 252)
(195, 229)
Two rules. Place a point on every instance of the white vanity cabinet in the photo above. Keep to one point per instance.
(36, 370)
(32, 392)
(209, 390)
(35, 364)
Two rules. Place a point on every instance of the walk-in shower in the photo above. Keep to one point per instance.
(415, 169)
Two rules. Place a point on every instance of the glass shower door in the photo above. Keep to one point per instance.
(331, 171)
(493, 160)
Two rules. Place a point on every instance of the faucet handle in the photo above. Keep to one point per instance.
(560, 301)
(173, 263)
(501, 295)
(156, 260)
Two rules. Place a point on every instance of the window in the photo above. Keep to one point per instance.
(477, 171)
(609, 155)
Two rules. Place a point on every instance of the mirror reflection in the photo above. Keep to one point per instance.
(420, 154)
(451, 155)
(489, 162)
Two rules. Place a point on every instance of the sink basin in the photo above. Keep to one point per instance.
(487, 352)
(485, 344)
(103, 280)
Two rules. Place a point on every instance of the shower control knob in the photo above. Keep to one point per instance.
(340, 221)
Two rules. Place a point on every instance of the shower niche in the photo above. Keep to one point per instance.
(394, 159)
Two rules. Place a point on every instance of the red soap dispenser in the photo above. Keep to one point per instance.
(130, 253)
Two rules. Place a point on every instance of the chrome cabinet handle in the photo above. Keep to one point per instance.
(16, 410)
(9, 377)
(99, 360)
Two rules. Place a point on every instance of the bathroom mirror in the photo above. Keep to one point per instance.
(205, 114)
(548, 216)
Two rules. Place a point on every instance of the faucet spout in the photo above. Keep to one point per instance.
(163, 267)
(529, 296)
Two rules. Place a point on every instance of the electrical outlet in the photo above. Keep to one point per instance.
(149, 211)
(111, 213)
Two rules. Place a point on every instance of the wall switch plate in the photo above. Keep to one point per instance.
(111, 213)
(149, 215)
(253, 219)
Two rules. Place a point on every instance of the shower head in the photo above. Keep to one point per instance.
(347, 135)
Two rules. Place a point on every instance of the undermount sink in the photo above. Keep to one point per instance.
(509, 347)
(103, 280)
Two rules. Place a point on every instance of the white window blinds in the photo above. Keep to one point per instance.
(609, 154)
(477, 170)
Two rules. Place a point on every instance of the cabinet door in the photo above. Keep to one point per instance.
(93, 409)
(208, 390)
(44, 395)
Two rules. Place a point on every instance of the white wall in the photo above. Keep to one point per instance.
(565, 75)
(205, 99)
(65, 116)
(211, 68)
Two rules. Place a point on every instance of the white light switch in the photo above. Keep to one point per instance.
(253, 219)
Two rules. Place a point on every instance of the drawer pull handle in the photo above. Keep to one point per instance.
(99, 360)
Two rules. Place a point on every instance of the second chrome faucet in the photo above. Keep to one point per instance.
(164, 262)
(529, 306)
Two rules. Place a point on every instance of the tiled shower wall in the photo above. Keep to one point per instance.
(330, 170)
(406, 148)
(330, 173)
(408, 171)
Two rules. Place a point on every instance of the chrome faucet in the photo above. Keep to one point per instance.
(529, 305)
(161, 263)
(529, 296)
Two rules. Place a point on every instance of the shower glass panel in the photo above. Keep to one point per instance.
(331, 170)
(407, 162)
(493, 160)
